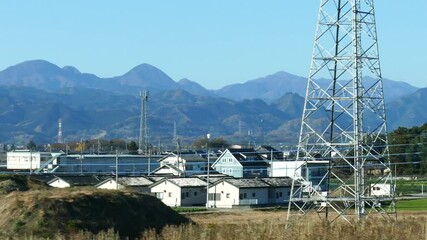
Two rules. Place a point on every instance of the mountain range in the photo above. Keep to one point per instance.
(35, 94)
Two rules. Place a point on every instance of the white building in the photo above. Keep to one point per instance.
(138, 184)
(279, 191)
(188, 164)
(230, 192)
(180, 191)
(313, 170)
(73, 181)
(380, 189)
(26, 160)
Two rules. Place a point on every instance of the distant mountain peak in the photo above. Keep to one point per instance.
(71, 69)
(148, 77)
(36, 66)
(143, 68)
(185, 81)
(194, 87)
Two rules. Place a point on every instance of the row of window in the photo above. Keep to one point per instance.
(160, 195)
(224, 160)
(227, 170)
(187, 194)
(215, 196)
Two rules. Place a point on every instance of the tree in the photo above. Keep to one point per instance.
(133, 147)
(216, 143)
(31, 145)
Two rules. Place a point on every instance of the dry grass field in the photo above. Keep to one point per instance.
(253, 224)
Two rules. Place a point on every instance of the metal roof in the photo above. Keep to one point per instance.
(246, 182)
(278, 181)
(134, 181)
(187, 182)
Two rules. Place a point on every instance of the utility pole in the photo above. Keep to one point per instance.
(31, 161)
(143, 126)
(117, 169)
(208, 136)
(60, 131)
(350, 147)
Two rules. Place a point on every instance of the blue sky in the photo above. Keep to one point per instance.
(214, 43)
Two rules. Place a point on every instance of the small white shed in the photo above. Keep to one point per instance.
(180, 191)
(230, 192)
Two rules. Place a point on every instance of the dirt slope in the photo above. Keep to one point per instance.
(44, 213)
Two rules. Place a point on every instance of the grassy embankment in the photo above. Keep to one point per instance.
(412, 205)
(414, 186)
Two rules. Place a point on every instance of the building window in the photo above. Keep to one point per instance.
(224, 170)
(230, 160)
(224, 160)
(230, 170)
(227, 195)
(159, 195)
(195, 193)
(186, 194)
(280, 194)
(170, 194)
(253, 194)
(214, 197)
(243, 196)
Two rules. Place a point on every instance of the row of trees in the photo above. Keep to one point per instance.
(99, 146)
(408, 149)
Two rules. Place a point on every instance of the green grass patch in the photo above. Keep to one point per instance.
(412, 205)
(188, 210)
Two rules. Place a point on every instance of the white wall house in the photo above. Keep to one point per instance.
(58, 182)
(188, 164)
(279, 191)
(284, 168)
(73, 181)
(312, 170)
(240, 163)
(110, 183)
(230, 192)
(138, 184)
(168, 170)
(180, 191)
(380, 189)
(26, 159)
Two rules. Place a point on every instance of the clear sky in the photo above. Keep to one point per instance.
(214, 43)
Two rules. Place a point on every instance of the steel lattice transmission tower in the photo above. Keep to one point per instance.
(143, 127)
(60, 140)
(342, 165)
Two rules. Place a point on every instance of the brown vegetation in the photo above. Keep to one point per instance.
(67, 212)
(271, 225)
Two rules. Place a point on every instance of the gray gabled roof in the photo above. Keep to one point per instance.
(188, 182)
(134, 181)
(245, 182)
(182, 182)
(170, 166)
(129, 181)
(278, 181)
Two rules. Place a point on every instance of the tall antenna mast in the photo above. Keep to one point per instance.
(143, 127)
(343, 150)
(60, 131)
(175, 136)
